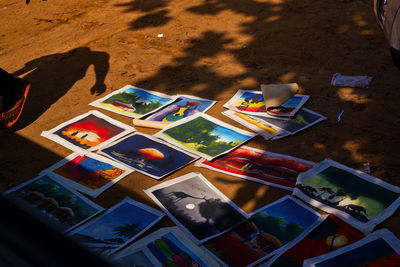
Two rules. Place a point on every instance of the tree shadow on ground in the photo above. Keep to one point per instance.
(295, 41)
(53, 75)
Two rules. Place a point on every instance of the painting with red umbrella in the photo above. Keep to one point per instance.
(148, 155)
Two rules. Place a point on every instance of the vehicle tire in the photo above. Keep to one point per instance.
(395, 56)
(379, 12)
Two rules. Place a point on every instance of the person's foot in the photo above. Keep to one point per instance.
(13, 105)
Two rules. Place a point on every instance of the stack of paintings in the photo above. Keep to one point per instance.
(269, 230)
(117, 227)
(260, 166)
(165, 247)
(247, 107)
(65, 207)
(252, 102)
(198, 207)
(358, 198)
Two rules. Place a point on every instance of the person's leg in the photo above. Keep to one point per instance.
(7, 82)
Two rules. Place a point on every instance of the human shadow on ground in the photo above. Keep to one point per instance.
(53, 75)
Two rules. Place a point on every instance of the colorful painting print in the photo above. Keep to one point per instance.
(248, 101)
(329, 235)
(64, 206)
(303, 119)
(381, 248)
(253, 124)
(148, 155)
(260, 166)
(204, 136)
(91, 174)
(290, 107)
(183, 107)
(133, 102)
(88, 132)
(359, 199)
(269, 229)
(118, 226)
(170, 247)
(140, 257)
(194, 204)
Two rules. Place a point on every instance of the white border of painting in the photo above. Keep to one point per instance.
(179, 235)
(231, 114)
(50, 133)
(132, 202)
(126, 87)
(295, 241)
(209, 118)
(116, 257)
(364, 227)
(200, 163)
(82, 188)
(212, 103)
(289, 244)
(195, 157)
(182, 178)
(66, 186)
(321, 118)
(304, 99)
(385, 234)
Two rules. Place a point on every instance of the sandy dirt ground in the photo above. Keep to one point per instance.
(75, 51)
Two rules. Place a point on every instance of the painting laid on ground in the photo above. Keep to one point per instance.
(329, 235)
(167, 247)
(91, 174)
(358, 198)
(61, 204)
(303, 119)
(148, 155)
(183, 107)
(133, 102)
(193, 203)
(118, 226)
(204, 136)
(249, 102)
(269, 230)
(259, 166)
(88, 132)
(259, 126)
(380, 248)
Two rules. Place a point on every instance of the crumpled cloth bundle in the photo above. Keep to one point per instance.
(351, 81)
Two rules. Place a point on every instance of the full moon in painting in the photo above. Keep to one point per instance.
(151, 153)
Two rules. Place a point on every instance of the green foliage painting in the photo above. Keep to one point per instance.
(134, 100)
(206, 136)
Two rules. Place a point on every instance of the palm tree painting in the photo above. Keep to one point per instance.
(119, 225)
(348, 192)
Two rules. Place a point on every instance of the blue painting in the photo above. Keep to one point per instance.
(119, 225)
(148, 155)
